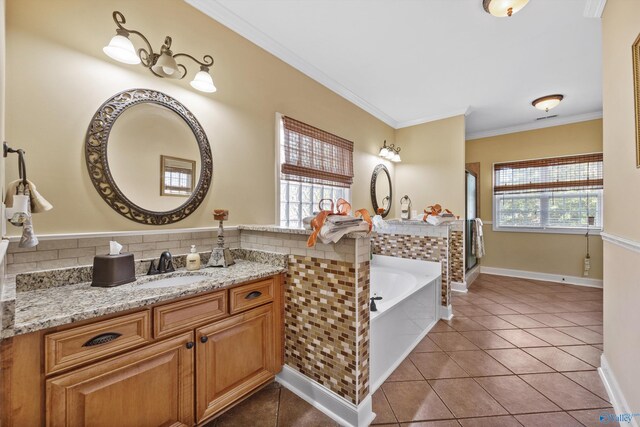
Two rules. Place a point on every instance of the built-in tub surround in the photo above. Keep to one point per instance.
(422, 241)
(409, 308)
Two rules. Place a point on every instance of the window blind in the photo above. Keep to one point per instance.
(581, 172)
(314, 156)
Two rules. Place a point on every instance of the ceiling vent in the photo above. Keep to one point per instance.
(547, 117)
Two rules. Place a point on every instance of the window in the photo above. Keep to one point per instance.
(561, 194)
(177, 176)
(314, 165)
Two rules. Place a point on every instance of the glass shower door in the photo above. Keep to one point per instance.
(471, 183)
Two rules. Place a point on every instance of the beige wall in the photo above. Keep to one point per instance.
(432, 168)
(561, 254)
(622, 204)
(57, 77)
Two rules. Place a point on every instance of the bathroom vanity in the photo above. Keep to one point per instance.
(174, 356)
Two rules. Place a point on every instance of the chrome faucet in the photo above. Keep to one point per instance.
(165, 264)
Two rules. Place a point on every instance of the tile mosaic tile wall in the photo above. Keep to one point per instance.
(320, 322)
(425, 248)
(457, 256)
(363, 274)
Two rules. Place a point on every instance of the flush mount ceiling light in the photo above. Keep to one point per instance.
(502, 8)
(161, 64)
(548, 102)
(390, 152)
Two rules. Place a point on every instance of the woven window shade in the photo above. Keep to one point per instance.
(582, 172)
(314, 156)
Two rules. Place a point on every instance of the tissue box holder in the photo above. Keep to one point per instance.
(113, 270)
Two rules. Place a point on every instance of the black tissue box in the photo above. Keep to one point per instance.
(113, 270)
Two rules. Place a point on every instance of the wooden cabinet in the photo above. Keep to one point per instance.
(234, 356)
(177, 363)
(149, 387)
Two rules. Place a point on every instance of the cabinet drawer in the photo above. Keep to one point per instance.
(182, 315)
(251, 295)
(86, 343)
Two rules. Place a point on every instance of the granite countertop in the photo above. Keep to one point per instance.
(287, 230)
(41, 307)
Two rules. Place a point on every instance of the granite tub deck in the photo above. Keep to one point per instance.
(52, 298)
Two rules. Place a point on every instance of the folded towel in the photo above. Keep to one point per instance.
(38, 203)
(329, 233)
(439, 220)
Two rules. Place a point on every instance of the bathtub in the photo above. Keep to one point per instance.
(409, 308)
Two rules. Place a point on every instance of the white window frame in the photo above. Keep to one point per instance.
(596, 230)
(279, 136)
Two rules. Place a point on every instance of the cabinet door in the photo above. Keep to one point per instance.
(234, 356)
(152, 386)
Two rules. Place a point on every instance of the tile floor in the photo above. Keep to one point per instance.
(517, 353)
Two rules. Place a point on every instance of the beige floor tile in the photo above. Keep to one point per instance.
(441, 326)
(564, 392)
(405, 372)
(584, 319)
(518, 361)
(443, 423)
(451, 341)
(583, 334)
(493, 322)
(591, 381)
(558, 359)
(496, 308)
(415, 401)
(555, 419)
(260, 410)
(437, 365)
(524, 308)
(472, 310)
(487, 340)
(466, 399)
(521, 338)
(522, 321)
(587, 353)
(465, 324)
(382, 409)
(478, 363)
(516, 396)
(553, 336)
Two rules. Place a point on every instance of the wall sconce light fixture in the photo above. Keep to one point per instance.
(390, 152)
(161, 64)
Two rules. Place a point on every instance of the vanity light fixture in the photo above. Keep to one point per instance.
(161, 64)
(502, 8)
(548, 102)
(390, 152)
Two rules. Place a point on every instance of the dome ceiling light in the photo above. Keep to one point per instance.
(548, 102)
(502, 8)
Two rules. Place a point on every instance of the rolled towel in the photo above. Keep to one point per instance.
(38, 203)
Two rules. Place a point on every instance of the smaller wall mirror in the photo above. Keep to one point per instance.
(381, 191)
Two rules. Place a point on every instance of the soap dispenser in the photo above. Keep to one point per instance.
(193, 259)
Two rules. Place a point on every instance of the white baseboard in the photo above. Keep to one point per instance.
(337, 408)
(558, 278)
(446, 312)
(619, 403)
(471, 275)
(459, 287)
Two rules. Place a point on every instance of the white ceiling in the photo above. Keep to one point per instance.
(412, 61)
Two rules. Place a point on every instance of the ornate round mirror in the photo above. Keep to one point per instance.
(148, 157)
(381, 192)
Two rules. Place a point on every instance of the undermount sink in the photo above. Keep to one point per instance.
(173, 281)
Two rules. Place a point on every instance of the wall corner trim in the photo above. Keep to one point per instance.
(446, 312)
(343, 412)
(625, 243)
(594, 8)
(557, 278)
(617, 399)
(459, 287)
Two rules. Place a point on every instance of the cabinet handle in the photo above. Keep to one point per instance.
(204, 339)
(102, 339)
(190, 345)
(253, 295)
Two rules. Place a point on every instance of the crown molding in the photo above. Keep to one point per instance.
(432, 118)
(558, 121)
(235, 23)
(594, 8)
